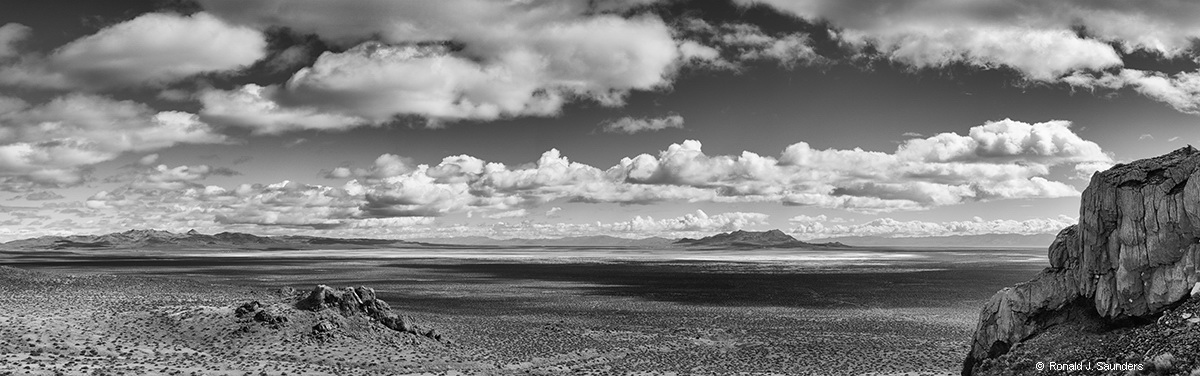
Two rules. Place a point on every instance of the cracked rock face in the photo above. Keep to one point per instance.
(1133, 254)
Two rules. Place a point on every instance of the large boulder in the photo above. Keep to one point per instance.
(320, 298)
(1133, 254)
(248, 308)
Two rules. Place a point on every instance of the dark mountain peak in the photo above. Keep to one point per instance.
(193, 232)
(138, 235)
(772, 238)
(776, 233)
(146, 233)
(235, 235)
(242, 238)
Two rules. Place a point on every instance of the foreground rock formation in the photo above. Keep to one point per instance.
(102, 324)
(360, 301)
(1132, 256)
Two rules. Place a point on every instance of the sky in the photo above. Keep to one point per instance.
(556, 118)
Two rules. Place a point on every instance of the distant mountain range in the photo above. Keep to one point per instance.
(151, 239)
(986, 240)
(760, 239)
(193, 239)
(578, 241)
(738, 239)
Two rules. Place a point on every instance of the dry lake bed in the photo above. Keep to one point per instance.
(501, 311)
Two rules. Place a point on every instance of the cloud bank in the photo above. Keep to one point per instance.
(630, 125)
(152, 49)
(447, 61)
(51, 142)
(1077, 42)
(811, 228)
(998, 160)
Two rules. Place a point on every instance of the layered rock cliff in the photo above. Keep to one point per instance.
(1133, 255)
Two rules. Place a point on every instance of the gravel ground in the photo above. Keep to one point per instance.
(1168, 346)
(154, 315)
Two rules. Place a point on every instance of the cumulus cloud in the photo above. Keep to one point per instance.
(415, 195)
(137, 205)
(46, 179)
(1043, 55)
(378, 81)
(387, 165)
(1002, 159)
(291, 208)
(396, 223)
(695, 222)
(447, 61)
(152, 49)
(730, 45)
(1181, 91)
(1051, 41)
(51, 142)
(148, 159)
(351, 22)
(999, 160)
(994, 161)
(251, 106)
(1050, 142)
(1167, 27)
(179, 177)
(820, 218)
(10, 35)
(630, 125)
(287, 203)
(698, 54)
(519, 213)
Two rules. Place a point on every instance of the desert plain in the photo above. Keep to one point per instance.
(501, 311)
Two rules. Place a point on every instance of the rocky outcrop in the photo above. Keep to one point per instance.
(1133, 255)
(262, 314)
(248, 308)
(361, 301)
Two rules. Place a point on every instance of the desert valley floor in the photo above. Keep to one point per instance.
(505, 311)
